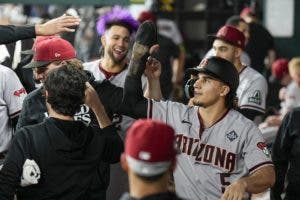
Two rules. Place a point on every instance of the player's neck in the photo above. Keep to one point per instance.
(139, 188)
(56, 115)
(110, 66)
(210, 115)
(239, 66)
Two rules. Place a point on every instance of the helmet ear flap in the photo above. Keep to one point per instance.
(189, 88)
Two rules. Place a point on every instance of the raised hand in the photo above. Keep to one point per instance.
(57, 25)
(153, 68)
(91, 97)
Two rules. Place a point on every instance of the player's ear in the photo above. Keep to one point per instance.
(124, 163)
(224, 90)
(103, 39)
(238, 52)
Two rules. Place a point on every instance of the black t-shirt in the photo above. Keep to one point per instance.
(260, 42)
(286, 157)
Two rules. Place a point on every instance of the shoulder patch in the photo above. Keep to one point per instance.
(255, 98)
(263, 147)
(231, 135)
(19, 92)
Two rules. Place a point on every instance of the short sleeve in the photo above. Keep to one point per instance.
(14, 93)
(255, 151)
(254, 97)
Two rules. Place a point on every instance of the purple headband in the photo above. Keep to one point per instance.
(117, 14)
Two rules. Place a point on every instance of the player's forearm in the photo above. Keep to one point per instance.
(11, 33)
(134, 104)
(260, 180)
(102, 118)
(133, 92)
(153, 90)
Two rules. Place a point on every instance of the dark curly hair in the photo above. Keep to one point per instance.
(66, 89)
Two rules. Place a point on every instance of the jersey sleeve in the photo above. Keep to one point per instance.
(10, 33)
(255, 151)
(14, 94)
(255, 96)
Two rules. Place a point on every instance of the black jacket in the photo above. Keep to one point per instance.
(10, 33)
(35, 111)
(67, 153)
(286, 157)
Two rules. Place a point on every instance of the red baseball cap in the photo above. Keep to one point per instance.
(51, 49)
(280, 67)
(231, 35)
(37, 40)
(146, 15)
(150, 147)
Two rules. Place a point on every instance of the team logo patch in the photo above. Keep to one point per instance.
(264, 148)
(231, 135)
(255, 98)
(19, 92)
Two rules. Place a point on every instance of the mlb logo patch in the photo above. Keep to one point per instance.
(255, 98)
(231, 135)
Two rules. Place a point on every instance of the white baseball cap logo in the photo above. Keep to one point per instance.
(57, 55)
(144, 155)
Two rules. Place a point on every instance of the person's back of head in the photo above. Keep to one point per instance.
(294, 70)
(150, 154)
(65, 89)
(280, 70)
(249, 15)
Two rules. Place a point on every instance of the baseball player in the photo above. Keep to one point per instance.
(252, 91)
(242, 26)
(12, 94)
(115, 29)
(223, 154)
(149, 143)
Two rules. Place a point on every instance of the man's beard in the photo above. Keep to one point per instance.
(116, 61)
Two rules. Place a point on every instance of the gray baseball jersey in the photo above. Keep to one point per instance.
(12, 94)
(213, 157)
(252, 90)
(122, 122)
